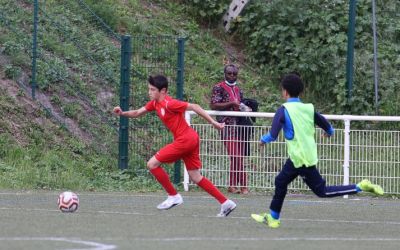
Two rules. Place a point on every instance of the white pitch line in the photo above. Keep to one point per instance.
(29, 209)
(207, 197)
(92, 245)
(165, 214)
(241, 217)
(248, 217)
(264, 239)
(347, 221)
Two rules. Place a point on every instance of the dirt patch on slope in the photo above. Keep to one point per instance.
(34, 110)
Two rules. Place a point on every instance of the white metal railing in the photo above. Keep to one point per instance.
(372, 154)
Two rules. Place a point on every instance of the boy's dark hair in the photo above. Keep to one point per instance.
(158, 81)
(293, 84)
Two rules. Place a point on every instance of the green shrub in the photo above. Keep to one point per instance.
(207, 11)
(310, 37)
(71, 110)
(12, 72)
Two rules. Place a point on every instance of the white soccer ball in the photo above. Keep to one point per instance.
(68, 202)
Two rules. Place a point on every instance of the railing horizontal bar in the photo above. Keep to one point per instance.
(329, 117)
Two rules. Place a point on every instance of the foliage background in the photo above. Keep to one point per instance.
(268, 40)
(310, 37)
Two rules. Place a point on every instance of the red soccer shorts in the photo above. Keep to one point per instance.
(186, 148)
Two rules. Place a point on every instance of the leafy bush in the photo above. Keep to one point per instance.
(206, 11)
(310, 37)
(12, 72)
(71, 110)
(52, 71)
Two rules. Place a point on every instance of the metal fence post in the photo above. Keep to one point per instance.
(179, 95)
(126, 53)
(34, 47)
(180, 68)
(346, 160)
(350, 48)
(376, 73)
(186, 179)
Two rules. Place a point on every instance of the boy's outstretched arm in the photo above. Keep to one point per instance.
(131, 113)
(201, 112)
(321, 122)
(277, 124)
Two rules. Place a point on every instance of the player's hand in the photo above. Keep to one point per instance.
(117, 110)
(325, 135)
(218, 125)
(261, 144)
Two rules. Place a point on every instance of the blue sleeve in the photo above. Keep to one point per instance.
(277, 124)
(321, 122)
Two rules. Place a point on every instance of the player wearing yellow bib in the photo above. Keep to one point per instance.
(298, 122)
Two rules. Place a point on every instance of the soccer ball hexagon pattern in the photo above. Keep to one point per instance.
(68, 202)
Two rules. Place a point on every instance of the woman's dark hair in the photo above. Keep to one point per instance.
(293, 84)
(158, 81)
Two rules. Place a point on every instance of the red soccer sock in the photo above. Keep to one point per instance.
(163, 178)
(212, 190)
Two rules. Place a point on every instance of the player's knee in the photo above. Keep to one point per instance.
(195, 176)
(320, 189)
(196, 180)
(151, 165)
(280, 182)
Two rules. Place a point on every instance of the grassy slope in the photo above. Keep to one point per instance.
(206, 48)
(36, 152)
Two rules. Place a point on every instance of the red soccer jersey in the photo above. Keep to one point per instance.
(171, 112)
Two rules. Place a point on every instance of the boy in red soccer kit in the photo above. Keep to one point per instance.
(186, 144)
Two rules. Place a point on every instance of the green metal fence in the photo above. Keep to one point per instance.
(80, 66)
(150, 56)
(74, 59)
